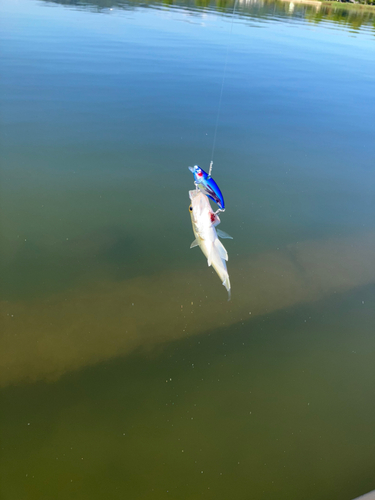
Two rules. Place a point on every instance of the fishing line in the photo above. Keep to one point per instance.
(221, 90)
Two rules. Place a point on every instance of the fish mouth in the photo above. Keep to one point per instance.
(191, 169)
(193, 193)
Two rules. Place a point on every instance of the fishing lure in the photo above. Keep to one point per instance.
(208, 186)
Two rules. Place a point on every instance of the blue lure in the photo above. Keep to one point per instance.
(208, 186)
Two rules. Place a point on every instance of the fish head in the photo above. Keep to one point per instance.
(198, 173)
(199, 201)
(200, 209)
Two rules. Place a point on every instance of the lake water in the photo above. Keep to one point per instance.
(124, 371)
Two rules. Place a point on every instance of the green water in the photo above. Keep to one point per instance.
(124, 371)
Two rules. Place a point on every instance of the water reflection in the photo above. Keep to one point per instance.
(311, 10)
(47, 337)
(338, 15)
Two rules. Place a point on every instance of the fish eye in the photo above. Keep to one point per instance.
(190, 208)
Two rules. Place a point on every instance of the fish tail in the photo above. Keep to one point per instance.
(226, 283)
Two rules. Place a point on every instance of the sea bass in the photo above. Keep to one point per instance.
(208, 186)
(204, 222)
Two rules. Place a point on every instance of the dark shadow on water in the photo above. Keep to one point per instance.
(297, 381)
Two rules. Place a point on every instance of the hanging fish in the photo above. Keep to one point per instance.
(208, 186)
(204, 221)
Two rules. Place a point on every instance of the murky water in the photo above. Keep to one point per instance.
(124, 371)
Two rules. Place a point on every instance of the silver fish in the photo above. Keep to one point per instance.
(204, 222)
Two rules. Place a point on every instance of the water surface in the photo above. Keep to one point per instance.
(124, 371)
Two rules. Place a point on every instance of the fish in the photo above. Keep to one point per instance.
(204, 222)
(206, 183)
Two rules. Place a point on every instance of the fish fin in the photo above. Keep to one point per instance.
(221, 249)
(226, 283)
(194, 244)
(223, 234)
(209, 260)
